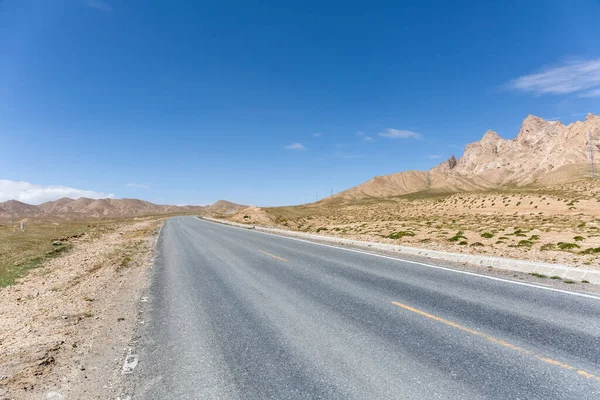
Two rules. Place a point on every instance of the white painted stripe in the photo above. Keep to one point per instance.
(589, 296)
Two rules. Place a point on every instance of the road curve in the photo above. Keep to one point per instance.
(237, 314)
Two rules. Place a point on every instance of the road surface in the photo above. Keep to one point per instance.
(238, 314)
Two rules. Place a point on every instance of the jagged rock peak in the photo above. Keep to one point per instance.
(491, 136)
(451, 162)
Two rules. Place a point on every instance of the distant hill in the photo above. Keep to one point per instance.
(543, 153)
(223, 207)
(66, 208)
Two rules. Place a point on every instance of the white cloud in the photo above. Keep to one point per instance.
(578, 76)
(399, 134)
(98, 5)
(433, 156)
(317, 134)
(35, 194)
(138, 185)
(365, 137)
(295, 146)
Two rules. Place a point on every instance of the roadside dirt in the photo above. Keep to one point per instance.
(66, 326)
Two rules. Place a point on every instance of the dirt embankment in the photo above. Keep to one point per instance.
(66, 326)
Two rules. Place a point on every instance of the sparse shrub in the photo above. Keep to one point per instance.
(321, 229)
(579, 238)
(426, 240)
(555, 277)
(456, 238)
(538, 275)
(591, 250)
(525, 243)
(534, 237)
(477, 244)
(463, 243)
(567, 246)
(487, 235)
(548, 246)
(400, 235)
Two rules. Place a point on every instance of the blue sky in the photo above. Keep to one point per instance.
(273, 102)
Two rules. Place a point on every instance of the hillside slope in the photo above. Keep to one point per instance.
(543, 153)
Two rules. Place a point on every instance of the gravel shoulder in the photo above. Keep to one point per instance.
(66, 326)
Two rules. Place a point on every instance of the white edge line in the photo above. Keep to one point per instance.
(589, 296)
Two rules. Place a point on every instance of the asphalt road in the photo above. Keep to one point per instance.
(239, 314)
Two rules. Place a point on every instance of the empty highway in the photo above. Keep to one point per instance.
(238, 314)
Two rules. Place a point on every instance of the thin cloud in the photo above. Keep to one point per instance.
(399, 134)
(317, 134)
(98, 5)
(36, 194)
(138, 185)
(433, 156)
(365, 137)
(295, 146)
(574, 76)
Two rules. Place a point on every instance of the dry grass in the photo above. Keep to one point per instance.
(558, 224)
(20, 251)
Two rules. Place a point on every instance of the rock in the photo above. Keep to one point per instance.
(56, 243)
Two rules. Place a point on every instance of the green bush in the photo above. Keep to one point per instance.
(321, 229)
(579, 238)
(456, 238)
(548, 246)
(400, 235)
(591, 250)
(477, 244)
(487, 235)
(567, 246)
(525, 243)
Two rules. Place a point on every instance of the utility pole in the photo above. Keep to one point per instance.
(331, 192)
(591, 150)
(12, 212)
(428, 181)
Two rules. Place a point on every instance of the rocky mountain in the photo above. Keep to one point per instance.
(66, 208)
(543, 153)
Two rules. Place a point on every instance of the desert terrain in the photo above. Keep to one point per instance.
(533, 197)
(71, 309)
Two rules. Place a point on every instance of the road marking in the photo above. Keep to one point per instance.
(589, 296)
(498, 341)
(269, 254)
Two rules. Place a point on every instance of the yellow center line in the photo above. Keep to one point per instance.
(498, 341)
(269, 254)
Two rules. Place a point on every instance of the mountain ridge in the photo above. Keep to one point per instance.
(543, 153)
(83, 208)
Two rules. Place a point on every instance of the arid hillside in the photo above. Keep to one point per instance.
(84, 208)
(559, 224)
(223, 207)
(543, 153)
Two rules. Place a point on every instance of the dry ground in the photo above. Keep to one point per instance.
(66, 324)
(560, 224)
